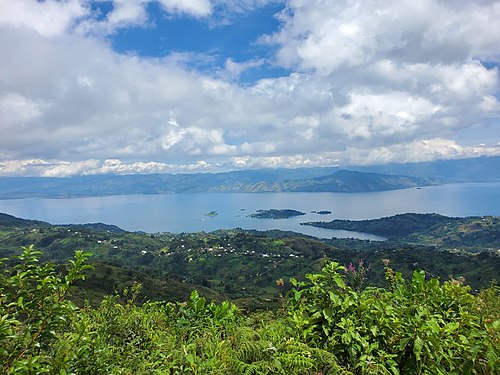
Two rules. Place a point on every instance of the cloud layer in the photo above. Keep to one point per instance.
(369, 82)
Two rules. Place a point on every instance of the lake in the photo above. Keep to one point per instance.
(188, 212)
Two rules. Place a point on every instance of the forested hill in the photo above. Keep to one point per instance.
(392, 226)
(11, 221)
(245, 265)
(7, 220)
(483, 231)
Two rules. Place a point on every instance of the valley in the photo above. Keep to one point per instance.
(243, 265)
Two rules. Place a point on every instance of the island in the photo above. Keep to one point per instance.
(212, 213)
(276, 214)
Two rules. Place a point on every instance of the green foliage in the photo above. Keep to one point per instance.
(392, 226)
(417, 327)
(326, 327)
(469, 234)
(244, 265)
(276, 214)
(268, 345)
(34, 310)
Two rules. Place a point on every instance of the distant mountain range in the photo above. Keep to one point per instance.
(341, 181)
(461, 170)
(331, 179)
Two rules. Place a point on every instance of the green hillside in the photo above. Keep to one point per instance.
(244, 265)
(394, 226)
(469, 233)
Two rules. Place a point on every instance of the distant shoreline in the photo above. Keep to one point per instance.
(76, 196)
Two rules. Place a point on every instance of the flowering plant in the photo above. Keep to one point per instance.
(356, 276)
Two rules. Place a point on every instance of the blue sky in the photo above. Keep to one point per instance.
(209, 41)
(147, 86)
(236, 38)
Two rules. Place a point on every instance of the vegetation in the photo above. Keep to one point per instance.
(327, 325)
(392, 226)
(469, 234)
(472, 233)
(238, 265)
(417, 327)
(276, 214)
(33, 310)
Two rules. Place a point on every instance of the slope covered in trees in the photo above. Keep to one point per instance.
(234, 264)
(461, 232)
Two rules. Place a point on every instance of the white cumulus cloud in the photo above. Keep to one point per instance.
(366, 82)
(197, 8)
(49, 18)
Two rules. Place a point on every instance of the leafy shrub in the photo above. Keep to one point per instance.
(415, 327)
(271, 347)
(327, 327)
(34, 311)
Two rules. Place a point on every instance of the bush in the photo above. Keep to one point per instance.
(417, 327)
(35, 312)
(327, 327)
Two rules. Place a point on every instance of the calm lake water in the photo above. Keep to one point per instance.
(187, 212)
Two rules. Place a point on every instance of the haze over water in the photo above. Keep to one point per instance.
(187, 212)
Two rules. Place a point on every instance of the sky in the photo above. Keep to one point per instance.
(175, 86)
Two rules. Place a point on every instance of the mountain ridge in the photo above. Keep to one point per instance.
(314, 179)
(230, 182)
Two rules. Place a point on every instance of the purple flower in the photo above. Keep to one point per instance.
(351, 268)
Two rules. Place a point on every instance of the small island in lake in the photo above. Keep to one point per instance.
(212, 213)
(276, 214)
